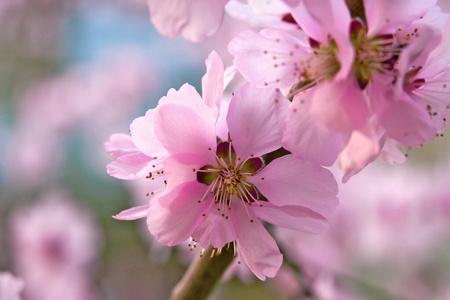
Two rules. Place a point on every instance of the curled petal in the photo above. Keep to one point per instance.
(120, 145)
(362, 148)
(130, 167)
(133, 213)
(130, 163)
(213, 81)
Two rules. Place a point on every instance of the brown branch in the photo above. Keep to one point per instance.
(357, 9)
(202, 275)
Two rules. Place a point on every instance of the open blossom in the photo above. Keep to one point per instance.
(218, 188)
(10, 286)
(345, 72)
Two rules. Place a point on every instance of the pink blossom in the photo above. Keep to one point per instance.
(10, 286)
(204, 206)
(55, 245)
(213, 187)
(195, 19)
(353, 71)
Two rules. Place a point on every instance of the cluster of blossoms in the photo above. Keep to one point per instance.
(320, 84)
(358, 88)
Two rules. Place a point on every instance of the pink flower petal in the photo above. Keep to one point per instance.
(407, 122)
(133, 213)
(386, 16)
(130, 163)
(130, 167)
(362, 148)
(215, 230)
(404, 120)
(187, 95)
(119, 145)
(177, 173)
(268, 58)
(292, 216)
(185, 131)
(290, 181)
(195, 19)
(308, 23)
(305, 139)
(176, 222)
(391, 154)
(257, 247)
(228, 75)
(143, 135)
(213, 81)
(267, 14)
(255, 120)
(340, 106)
(417, 52)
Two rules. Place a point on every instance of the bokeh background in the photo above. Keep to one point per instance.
(74, 72)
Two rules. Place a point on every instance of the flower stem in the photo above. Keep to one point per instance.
(202, 276)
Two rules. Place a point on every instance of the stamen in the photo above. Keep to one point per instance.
(212, 253)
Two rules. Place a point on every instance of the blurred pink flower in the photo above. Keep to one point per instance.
(194, 19)
(51, 109)
(10, 286)
(387, 231)
(55, 246)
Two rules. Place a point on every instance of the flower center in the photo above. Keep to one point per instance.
(372, 54)
(321, 64)
(228, 178)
